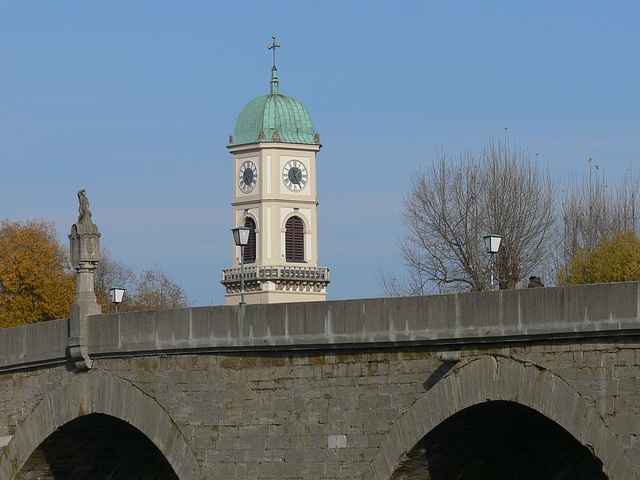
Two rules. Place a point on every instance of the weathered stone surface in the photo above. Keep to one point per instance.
(349, 400)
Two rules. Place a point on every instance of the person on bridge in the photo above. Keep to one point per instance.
(535, 282)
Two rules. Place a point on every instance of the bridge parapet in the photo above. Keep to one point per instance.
(33, 345)
(448, 320)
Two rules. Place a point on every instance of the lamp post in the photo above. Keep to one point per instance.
(241, 239)
(492, 244)
(115, 295)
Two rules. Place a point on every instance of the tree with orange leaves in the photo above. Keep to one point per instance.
(36, 279)
(615, 259)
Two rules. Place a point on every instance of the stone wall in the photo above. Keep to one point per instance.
(328, 415)
(279, 403)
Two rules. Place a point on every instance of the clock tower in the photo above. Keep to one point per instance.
(274, 148)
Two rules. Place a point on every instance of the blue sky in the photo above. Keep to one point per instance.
(134, 102)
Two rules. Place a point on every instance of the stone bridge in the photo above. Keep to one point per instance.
(523, 384)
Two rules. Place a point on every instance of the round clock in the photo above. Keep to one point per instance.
(294, 175)
(248, 176)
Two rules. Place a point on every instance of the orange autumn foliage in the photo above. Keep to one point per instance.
(615, 259)
(36, 280)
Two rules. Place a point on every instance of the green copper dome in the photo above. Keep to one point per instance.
(274, 118)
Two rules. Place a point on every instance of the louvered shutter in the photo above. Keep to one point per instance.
(294, 240)
(250, 248)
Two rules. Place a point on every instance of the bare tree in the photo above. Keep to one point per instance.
(453, 203)
(151, 290)
(627, 203)
(593, 210)
(155, 291)
(110, 273)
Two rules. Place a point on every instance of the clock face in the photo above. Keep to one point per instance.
(248, 176)
(294, 175)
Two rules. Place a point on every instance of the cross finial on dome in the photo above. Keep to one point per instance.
(273, 47)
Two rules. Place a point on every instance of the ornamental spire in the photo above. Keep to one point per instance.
(274, 71)
(274, 81)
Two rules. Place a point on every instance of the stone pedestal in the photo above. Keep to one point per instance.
(84, 245)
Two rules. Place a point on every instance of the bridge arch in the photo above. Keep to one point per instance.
(504, 379)
(100, 393)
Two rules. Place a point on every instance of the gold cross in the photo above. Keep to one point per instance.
(273, 47)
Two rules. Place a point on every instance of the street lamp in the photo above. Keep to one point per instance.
(115, 295)
(492, 244)
(241, 238)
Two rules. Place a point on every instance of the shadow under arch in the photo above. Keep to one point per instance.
(96, 446)
(499, 439)
(487, 379)
(100, 393)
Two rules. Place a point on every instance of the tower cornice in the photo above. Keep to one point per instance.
(255, 147)
(281, 201)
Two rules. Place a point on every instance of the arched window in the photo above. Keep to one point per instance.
(250, 248)
(294, 240)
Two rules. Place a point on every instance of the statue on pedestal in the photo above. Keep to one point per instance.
(83, 208)
(84, 246)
